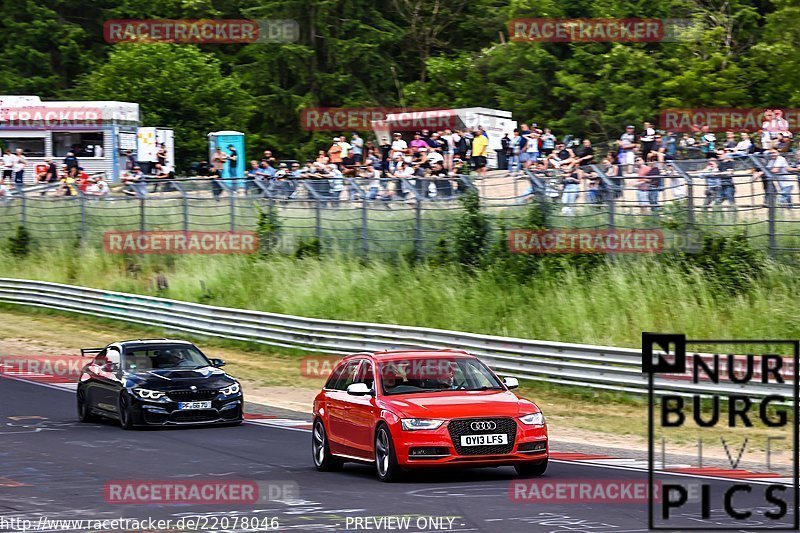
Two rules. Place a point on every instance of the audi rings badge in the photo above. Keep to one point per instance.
(483, 425)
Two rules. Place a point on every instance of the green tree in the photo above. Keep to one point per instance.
(177, 86)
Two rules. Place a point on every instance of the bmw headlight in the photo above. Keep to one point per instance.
(411, 424)
(230, 390)
(147, 394)
(533, 419)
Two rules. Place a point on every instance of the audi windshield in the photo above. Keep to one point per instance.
(164, 357)
(410, 376)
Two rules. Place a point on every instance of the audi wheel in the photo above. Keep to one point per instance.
(323, 460)
(385, 458)
(531, 469)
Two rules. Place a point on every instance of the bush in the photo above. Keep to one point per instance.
(471, 238)
(268, 229)
(19, 244)
(308, 249)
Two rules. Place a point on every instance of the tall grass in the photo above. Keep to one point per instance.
(611, 304)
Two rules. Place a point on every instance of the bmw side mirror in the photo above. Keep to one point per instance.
(511, 383)
(358, 389)
(218, 362)
(110, 367)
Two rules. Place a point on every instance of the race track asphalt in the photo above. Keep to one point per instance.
(53, 467)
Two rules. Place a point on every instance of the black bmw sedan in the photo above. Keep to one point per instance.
(157, 382)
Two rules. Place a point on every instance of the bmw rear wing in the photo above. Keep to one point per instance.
(90, 351)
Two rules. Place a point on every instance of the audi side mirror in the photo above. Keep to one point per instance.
(511, 383)
(359, 389)
(218, 363)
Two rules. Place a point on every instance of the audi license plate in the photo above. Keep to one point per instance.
(484, 440)
(194, 405)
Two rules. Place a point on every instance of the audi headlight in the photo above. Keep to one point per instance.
(230, 390)
(147, 394)
(533, 419)
(411, 424)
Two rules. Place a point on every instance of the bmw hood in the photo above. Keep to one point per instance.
(167, 379)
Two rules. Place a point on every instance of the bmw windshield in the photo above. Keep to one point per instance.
(164, 357)
(434, 374)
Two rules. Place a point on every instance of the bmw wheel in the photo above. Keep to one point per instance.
(84, 413)
(124, 411)
(385, 458)
(323, 460)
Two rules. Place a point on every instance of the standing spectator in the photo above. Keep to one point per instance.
(233, 165)
(655, 182)
(514, 147)
(335, 152)
(215, 174)
(532, 153)
(417, 143)
(708, 143)
(399, 146)
(648, 140)
(711, 175)
(667, 145)
(218, 160)
(161, 155)
(134, 182)
(628, 146)
(8, 165)
(480, 144)
(727, 189)
(460, 144)
(730, 141)
(744, 146)
(448, 149)
(72, 162)
(358, 147)
(585, 153)
(20, 162)
(344, 145)
(548, 142)
(573, 176)
(250, 178)
(130, 160)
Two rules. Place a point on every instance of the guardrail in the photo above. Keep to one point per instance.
(596, 367)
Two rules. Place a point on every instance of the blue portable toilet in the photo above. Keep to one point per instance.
(225, 140)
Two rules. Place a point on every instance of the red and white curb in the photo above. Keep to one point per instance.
(599, 460)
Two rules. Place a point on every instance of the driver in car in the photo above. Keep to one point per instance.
(167, 359)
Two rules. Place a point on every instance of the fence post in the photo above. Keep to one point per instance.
(418, 230)
(690, 202)
(318, 220)
(771, 220)
(82, 204)
(233, 209)
(364, 228)
(185, 213)
(142, 224)
(24, 207)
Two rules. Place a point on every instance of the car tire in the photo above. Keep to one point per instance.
(531, 469)
(84, 413)
(124, 411)
(386, 466)
(324, 461)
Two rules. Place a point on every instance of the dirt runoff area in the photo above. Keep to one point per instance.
(578, 421)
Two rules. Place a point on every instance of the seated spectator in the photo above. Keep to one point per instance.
(561, 156)
(50, 173)
(349, 164)
(67, 187)
(135, 181)
(97, 187)
(745, 145)
(161, 174)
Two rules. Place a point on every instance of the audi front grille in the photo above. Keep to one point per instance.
(460, 427)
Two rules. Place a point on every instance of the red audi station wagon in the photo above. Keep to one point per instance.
(413, 409)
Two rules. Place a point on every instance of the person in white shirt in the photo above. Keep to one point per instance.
(20, 162)
(744, 145)
(399, 146)
(8, 164)
(345, 145)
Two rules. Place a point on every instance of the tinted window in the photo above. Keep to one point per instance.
(164, 356)
(436, 374)
(366, 374)
(347, 376)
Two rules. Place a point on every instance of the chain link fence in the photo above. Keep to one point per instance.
(753, 194)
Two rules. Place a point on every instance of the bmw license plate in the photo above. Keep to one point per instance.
(484, 440)
(194, 405)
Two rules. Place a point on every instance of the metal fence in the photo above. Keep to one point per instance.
(595, 367)
(395, 216)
